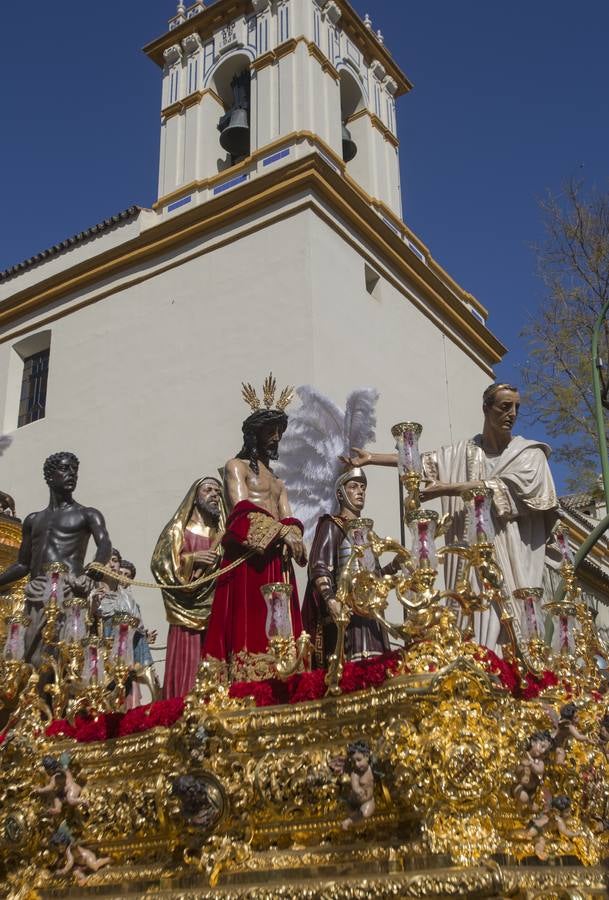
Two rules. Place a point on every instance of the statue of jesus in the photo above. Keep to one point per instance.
(261, 538)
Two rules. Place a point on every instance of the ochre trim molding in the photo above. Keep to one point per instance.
(239, 168)
(267, 59)
(307, 204)
(309, 173)
(323, 61)
(191, 100)
(290, 46)
(376, 123)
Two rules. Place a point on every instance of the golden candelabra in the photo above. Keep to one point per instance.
(286, 656)
(65, 674)
(407, 436)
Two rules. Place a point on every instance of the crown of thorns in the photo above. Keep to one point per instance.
(269, 390)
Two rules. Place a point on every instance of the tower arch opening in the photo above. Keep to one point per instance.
(351, 102)
(231, 82)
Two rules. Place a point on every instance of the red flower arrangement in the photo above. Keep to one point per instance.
(307, 686)
(528, 688)
(312, 685)
(87, 729)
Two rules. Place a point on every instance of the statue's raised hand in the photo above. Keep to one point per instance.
(357, 458)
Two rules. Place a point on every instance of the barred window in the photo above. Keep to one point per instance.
(34, 387)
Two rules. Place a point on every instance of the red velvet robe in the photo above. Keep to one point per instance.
(184, 644)
(236, 631)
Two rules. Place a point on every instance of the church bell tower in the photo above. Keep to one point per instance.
(254, 84)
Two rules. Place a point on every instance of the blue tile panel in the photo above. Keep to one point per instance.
(232, 183)
(177, 203)
(393, 227)
(477, 315)
(269, 160)
(330, 161)
(416, 251)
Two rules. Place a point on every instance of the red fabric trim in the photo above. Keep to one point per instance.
(238, 615)
(183, 657)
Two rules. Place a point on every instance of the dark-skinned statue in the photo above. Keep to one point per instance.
(53, 547)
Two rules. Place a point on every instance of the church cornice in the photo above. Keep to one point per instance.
(223, 11)
(310, 173)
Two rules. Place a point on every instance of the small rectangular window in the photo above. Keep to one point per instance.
(33, 399)
(373, 282)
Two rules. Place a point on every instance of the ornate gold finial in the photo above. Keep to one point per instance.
(287, 395)
(269, 389)
(250, 396)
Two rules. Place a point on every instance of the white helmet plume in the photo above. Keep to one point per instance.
(318, 433)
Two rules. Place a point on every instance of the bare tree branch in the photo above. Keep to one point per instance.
(573, 264)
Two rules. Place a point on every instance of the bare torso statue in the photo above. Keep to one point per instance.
(262, 488)
(58, 535)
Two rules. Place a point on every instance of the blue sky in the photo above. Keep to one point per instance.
(509, 101)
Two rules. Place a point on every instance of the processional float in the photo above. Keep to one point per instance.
(437, 770)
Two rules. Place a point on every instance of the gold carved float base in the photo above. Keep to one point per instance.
(346, 879)
(244, 802)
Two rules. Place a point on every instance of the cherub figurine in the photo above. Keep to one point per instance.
(361, 796)
(79, 859)
(566, 730)
(532, 766)
(61, 787)
(551, 817)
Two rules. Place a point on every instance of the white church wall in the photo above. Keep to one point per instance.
(144, 384)
(382, 340)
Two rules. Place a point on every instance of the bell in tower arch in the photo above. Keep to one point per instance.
(234, 125)
(349, 145)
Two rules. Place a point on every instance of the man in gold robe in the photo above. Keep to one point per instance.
(188, 549)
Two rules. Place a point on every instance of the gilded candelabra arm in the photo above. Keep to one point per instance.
(480, 556)
(412, 482)
(444, 523)
(290, 657)
(51, 624)
(14, 674)
(119, 672)
(31, 709)
(336, 662)
(456, 550)
(94, 699)
(417, 591)
(53, 685)
(380, 546)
